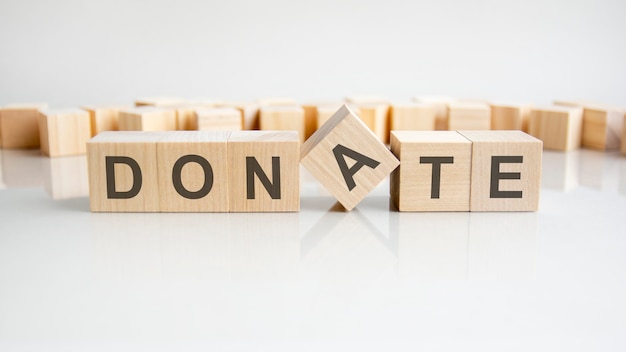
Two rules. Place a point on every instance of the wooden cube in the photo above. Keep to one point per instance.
(193, 171)
(469, 116)
(441, 109)
(283, 118)
(506, 171)
(264, 171)
(123, 172)
(223, 119)
(310, 118)
(160, 101)
(376, 118)
(104, 118)
(347, 158)
(413, 117)
(249, 113)
(19, 125)
(434, 171)
(325, 112)
(602, 128)
(147, 118)
(64, 132)
(559, 127)
(510, 116)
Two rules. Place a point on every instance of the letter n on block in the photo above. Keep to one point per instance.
(123, 172)
(264, 171)
(434, 171)
(506, 171)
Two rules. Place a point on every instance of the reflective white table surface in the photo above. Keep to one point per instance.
(321, 279)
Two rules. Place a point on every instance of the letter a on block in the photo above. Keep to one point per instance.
(347, 158)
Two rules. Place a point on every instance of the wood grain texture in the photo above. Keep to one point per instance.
(222, 119)
(506, 171)
(147, 118)
(376, 118)
(469, 116)
(510, 116)
(559, 127)
(413, 117)
(104, 118)
(64, 132)
(19, 125)
(441, 109)
(249, 112)
(283, 118)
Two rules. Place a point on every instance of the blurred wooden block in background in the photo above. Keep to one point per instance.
(434, 171)
(325, 112)
(469, 116)
(510, 116)
(376, 118)
(283, 118)
(347, 158)
(441, 109)
(104, 118)
(193, 171)
(559, 127)
(225, 119)
(506, 171)
(413, 117)
(64, 132)
(264, 171)
(147, 118)
(602, 124)
(160, 101)
(19, 125)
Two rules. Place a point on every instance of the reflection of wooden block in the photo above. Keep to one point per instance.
(441, 109)
(123, 172)
(376, 118)
(506, 171)
(159, 101)
(509, 116)
(103, 118)
(559, 127)
(147, 118)
(413, 117)
(19, 125)
(347, 158)
(283, 118)
(225, 119)
(193, 171)
(64, 132)
(434, 171)
(66, 178)
(469, 116)
(264, 171)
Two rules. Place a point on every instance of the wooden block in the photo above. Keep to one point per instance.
(413, 117)
(283, 118)
(19, 125)
(506, 171)
(602, 124)
(193, 171)
(104, 118)
(224, 119)
(264, 171)
(347, 158)
(559, 127)
(376, 118)
(510, 116)
(160, 101)
(186, 117)
(434, 171)
(147, 118)
(469, 116)
(249, 112)
(325, 112)
(123, 172)
(64, 132)
(441, 109)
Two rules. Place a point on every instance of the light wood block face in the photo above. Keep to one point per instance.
(559, 127)
(193, 171)
(510, 117)
(160, 101)
(602, 128)
(186, 117)
(103, 118)
(264, 171)
(218, 119)
(19, 125)
(413, 117)
(376, 118)
(434, 171)
(249, 112)
(147, 118)
(506, 171)
(347, 158)
(64, 132)
(283, 118)
(123, 172)
(469, 116)
(441, 109)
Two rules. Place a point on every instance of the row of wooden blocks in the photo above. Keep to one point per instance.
(258, 171)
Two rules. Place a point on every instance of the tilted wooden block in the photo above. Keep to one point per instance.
(325, 112)
(104, 118)
(559, 127)
(64, 132)
(347, 158)
(264, 171)
(283, 118)
(413, 117)
(376, 118)
(147, 118)
(441, 109)
(123, 172)
(602, 125)
(224, 119)
(510, 116)
(434, 171)
(160, 101)
(506, 171)
(19, 125)
(193, 171)
(469, 116)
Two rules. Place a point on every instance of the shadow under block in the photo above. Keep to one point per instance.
(193, 171)
(221, 119)
(19, 125)
(283, 118)
(469, 116)
(264, 171)
(64, 132)
(347, 158)
(104, 118)
(123, 172)
(510, 117)
(506, 171)
(559, 127)
(147, 118)
(376, 117)
(434, 171)
(413, 117)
